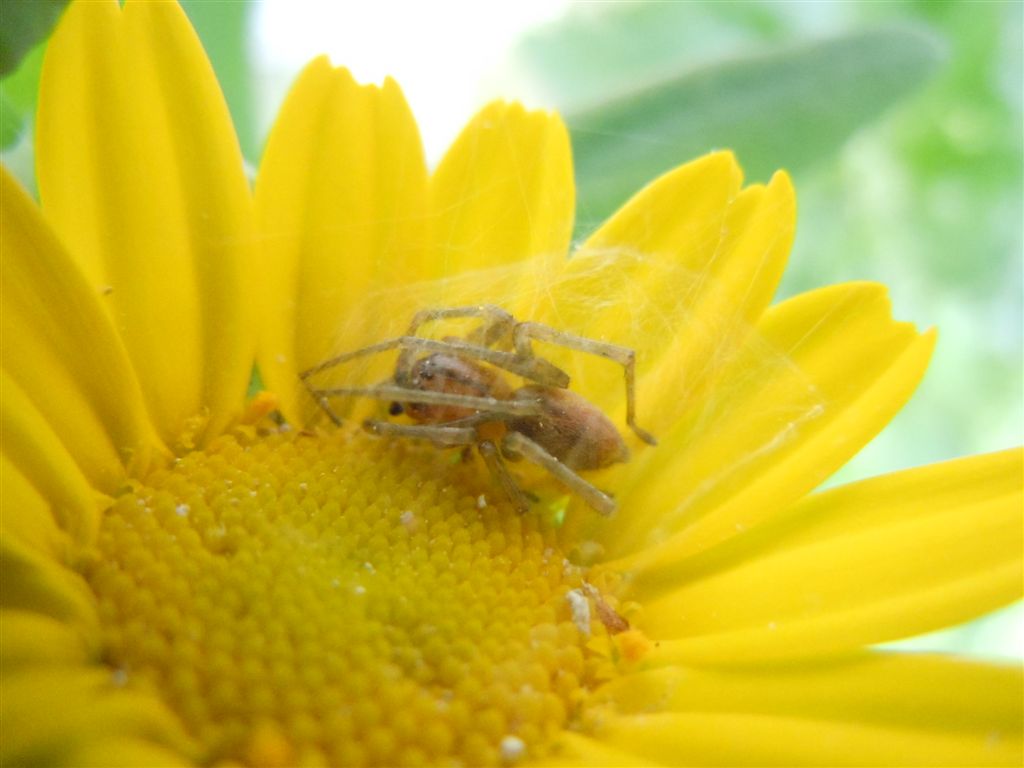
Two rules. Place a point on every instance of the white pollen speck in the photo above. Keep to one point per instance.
(182, 510)
(359, 589)
(481, 501)
(253, 494)
(580, 610)
(408, 519)
(369, 567)
(512, 748)
(303, 486)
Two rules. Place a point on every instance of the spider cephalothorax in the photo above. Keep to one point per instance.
(455, 392)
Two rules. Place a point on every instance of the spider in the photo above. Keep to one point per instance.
(455, 392)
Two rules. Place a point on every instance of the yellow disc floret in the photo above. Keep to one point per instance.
(338, 599)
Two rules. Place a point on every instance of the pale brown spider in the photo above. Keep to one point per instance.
(454, 391)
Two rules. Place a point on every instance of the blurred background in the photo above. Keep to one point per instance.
(901, 123)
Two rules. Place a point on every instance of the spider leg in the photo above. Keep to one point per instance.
(496, 465)
(410, 345)
(622, 355)
(337, 360)
(319, 396)
(441, 435)
(491, 405)
(534, 368)
(517, 444)
(497, 322)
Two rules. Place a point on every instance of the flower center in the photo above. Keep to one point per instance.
(342, 599)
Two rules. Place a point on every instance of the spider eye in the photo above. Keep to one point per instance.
(395, 409)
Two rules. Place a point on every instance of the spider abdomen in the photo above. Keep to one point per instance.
(571, 429)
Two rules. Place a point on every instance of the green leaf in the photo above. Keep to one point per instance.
(19, 92)
(12, 122)
(23, 24)
(784, 108)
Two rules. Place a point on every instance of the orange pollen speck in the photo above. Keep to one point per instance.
(339, 599)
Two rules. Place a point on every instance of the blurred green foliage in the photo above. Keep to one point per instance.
(792, 106)
(23, 24)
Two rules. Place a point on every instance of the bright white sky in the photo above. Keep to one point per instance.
(447, 56)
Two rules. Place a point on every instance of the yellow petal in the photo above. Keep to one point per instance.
(678, 217)
(30, 639)
(742, 739)
(732, 288)
(679, 275)
(140, 173)
(38, 455)
(908, 710)
(47, 716)
(33, 582)
(637, 280)
(504, 191)
(924, 691)
(865, 563)
(120, 752)
(27, 518)
(340, 200)
(579, 751)
(824, 374)
(64, 354)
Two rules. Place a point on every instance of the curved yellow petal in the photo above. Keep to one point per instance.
(64, 355)
(140, 173)
(578, 751)
(27, 517)
(743, 739)
(896, 701)
(680, 275)
(679, 216)
(824, 373)
(120, 752)
(30, 581)
(31, 446)
(503, 192)
(29, 639)
(340, 202)
(636, 281)
(865, 563)
(92, 710)
(733, 287)
(909, 690)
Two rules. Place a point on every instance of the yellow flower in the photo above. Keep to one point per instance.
(182, 584)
